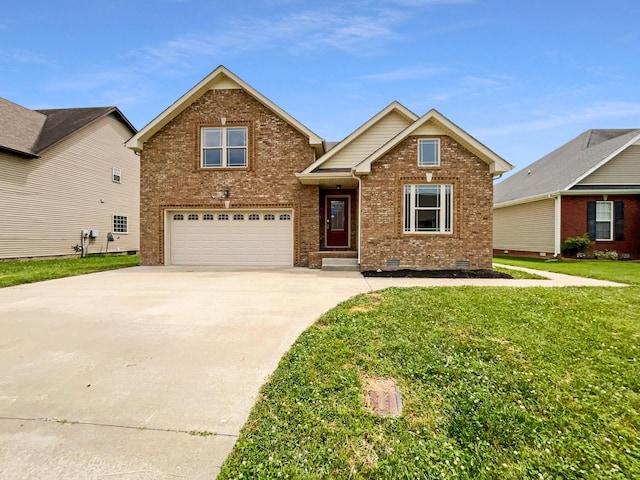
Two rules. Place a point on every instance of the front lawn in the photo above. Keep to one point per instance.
(28, 271)
(623, 272)
(499, 383)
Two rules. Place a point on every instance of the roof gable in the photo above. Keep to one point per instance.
(29, 132)
(369, 136)
(434, 122)
(566, 166)
(63, 122)
(220, 78)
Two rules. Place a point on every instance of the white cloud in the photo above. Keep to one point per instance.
(22, 56)
(408, 73)
(591, 116)
(422, 3)
(297, 33)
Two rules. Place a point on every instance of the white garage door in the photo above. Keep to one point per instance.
(251, 238)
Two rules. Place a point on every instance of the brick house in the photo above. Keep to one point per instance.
(589, 185)
(229, 178)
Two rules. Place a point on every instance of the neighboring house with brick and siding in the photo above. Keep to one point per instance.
(229, 178)
(589, 185)
(62, 172)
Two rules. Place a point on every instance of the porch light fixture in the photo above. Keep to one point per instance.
(429, 176)
(338, 186)
(226, 192)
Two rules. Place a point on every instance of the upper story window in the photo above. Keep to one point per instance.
(429, 152)
(116, 175)
(224, 147)
(428, 208)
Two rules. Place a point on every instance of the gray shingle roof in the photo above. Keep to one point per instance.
(19, 128)
(29, 132)
(557, 170)
(62, 122)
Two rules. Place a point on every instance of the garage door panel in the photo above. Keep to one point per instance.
(252, 239)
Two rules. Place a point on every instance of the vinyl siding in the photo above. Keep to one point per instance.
(46, 202)
(624, 169)
(367, 143)
(527, 227)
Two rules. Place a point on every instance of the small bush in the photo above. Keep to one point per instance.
(572, 246)
(606, 255)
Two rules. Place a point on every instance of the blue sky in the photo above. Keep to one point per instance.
(521, 77)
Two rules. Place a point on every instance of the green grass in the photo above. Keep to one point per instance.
(623, 272)
(497, 383)
(29, 271)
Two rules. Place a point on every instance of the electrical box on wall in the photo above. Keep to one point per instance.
(93, 233)
(84, 233)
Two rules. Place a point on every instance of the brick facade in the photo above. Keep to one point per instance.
(574, 222)
(382, 233)
(171, 176)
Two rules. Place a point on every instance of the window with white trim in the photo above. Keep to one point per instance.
(116, 174)
(285, 216)
(193, 216)
(428, 208)
(254, 216)
(269, 216)
(223, 216)
(208, 216)
(429, 152)
(238, 216)
(120, 224)
(224, 147)
(604, 220)
(178, 216)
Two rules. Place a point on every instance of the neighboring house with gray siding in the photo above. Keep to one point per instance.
(589, 185)
(63, 171)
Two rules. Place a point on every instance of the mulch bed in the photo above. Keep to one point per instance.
(437, 274)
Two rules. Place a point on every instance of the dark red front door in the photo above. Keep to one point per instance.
(337, 221)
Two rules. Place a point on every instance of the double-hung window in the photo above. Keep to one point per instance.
(604, 221)
(428, 208)
(224, 147)
(429, 152)
(116, 174)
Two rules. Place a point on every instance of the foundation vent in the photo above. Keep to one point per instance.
(463, 264)
(393, 263)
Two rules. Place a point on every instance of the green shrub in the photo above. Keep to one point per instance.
(606, 255)
(572, 246)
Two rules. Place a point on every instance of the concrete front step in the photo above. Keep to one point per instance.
(340, 264)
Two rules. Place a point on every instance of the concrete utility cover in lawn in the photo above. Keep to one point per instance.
(125, 374)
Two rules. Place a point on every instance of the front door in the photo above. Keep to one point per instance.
(337, 221)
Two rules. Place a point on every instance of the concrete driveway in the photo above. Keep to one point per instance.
(105, 375)
(125, 374)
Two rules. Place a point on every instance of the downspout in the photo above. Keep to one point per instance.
(558, 224)
(359, 211)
